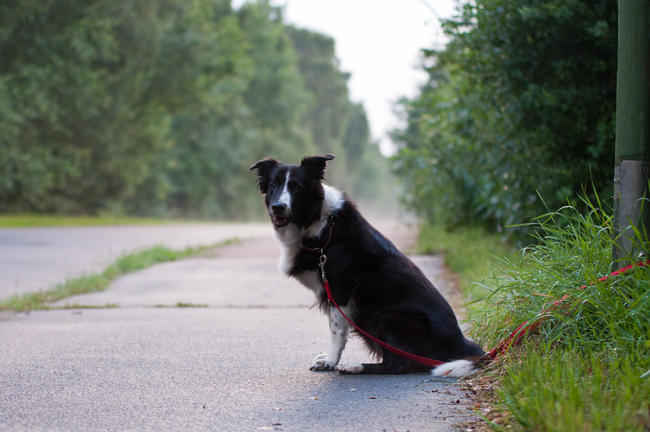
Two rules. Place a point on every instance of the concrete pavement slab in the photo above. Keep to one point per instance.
(223, 282)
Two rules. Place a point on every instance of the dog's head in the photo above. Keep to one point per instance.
(293, 194)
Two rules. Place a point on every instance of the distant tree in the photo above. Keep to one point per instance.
(237, 95)
(357, 135)
(203, 74)
(80, 132)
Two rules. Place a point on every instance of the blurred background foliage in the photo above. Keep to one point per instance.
(520, 101)
(159, 108)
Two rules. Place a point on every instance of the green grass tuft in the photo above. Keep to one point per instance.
(570, 389)
(572, 249)
(83, 306)
(183, 305)
(88, 284)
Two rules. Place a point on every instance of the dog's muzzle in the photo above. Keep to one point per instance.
(279, 216)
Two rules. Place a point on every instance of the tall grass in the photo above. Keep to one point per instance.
(586, 367)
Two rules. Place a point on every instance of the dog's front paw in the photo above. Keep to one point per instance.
(322, 363)
(349, 369)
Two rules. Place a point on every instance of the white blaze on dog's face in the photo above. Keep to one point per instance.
(285, 196)
(293, 194)
(278, 197)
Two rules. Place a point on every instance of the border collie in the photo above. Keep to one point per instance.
(376, 286)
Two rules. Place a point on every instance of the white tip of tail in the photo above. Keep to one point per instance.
(456, 368)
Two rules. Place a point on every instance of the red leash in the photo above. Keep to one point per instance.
(525, 327)
(416, 358)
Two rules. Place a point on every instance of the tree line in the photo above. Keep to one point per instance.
(517, 115)
(158, 108)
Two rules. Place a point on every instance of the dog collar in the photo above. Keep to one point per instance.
(330, 222)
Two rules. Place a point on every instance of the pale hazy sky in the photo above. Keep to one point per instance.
(378, 42)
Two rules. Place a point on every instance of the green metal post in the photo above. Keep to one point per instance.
(632, 163)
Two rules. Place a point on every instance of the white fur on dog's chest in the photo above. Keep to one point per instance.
(308, 278)
(289, 238)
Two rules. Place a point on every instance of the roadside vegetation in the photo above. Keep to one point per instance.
(587, 366)
(128, 263)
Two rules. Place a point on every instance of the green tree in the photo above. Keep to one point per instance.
(159, 108)
(520, 100)
(80, 131)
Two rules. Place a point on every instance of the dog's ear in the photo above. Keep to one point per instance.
(264, 168)
(315, 165)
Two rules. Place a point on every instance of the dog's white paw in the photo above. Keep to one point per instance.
(350, 368)
(322, 363)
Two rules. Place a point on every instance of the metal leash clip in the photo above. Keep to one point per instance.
(321, 263)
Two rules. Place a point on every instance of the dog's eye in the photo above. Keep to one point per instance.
(272, 186)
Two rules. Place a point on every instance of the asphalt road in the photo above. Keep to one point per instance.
(240, 362)
(35, 259)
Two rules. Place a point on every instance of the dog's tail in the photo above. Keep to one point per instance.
(457, 368)
(474, 358)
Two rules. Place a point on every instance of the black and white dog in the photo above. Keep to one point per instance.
(377, 286)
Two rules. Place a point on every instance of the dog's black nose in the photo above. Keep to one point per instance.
(278, 207)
